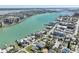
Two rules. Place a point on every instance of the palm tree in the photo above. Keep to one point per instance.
(69, 44)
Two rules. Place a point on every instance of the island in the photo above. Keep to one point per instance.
(17, 17)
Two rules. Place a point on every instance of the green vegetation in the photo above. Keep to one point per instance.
(29, 49)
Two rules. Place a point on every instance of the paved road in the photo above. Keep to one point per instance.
(23, 49)
(51, 31)
(77, 25)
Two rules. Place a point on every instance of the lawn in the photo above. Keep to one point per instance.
(29, 49)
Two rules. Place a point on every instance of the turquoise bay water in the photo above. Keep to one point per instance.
(33, 24)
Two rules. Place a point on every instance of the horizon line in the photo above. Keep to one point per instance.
(39, 6)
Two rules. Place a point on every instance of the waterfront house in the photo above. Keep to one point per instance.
(38, 34)
(8, 21)
(9, 48)
(0, 50)
(0, 24)
(22, 42)
(48, 27)
(3, 51)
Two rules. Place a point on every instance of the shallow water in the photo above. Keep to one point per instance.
(33, 24)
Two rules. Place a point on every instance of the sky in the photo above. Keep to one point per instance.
(36, 6)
